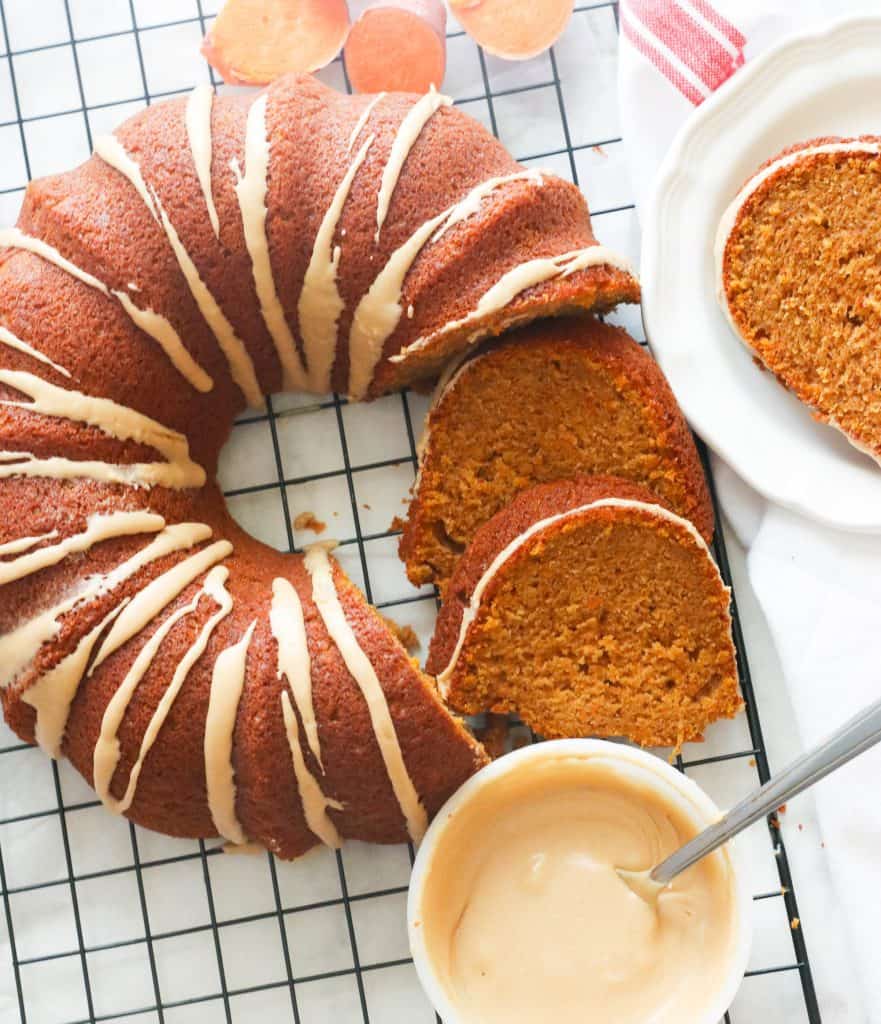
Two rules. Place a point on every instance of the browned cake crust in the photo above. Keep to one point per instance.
(93, 217)
(798, 274)
(552, 400)
(611, 621)
(97, 405)
(171, 792)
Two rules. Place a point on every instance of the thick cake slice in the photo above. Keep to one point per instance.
(589, 609)
(798, 263)
(554, 400)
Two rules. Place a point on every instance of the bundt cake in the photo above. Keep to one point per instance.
(212, 251)
(549, 401)
(589, 609)
(799, 278)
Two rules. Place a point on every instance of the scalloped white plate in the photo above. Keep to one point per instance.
(823, 83)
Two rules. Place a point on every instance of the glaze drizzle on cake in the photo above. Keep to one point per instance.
(120, 564)
(587, 608)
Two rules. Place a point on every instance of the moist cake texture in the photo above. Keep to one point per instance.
(589, 609)
(799, 277)
(550, 401)
(214, 250)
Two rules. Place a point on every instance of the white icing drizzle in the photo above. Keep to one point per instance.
(15, 238)
(379, 310)
(98, 528)
(326, 599)
(107, 748)
(9, 339)
(227, 683)
(12, 547)
(52, 695)
(320, 302)
(151, 323)
(729, 217)
(19, 647)
(408, 132)
(117, 421)
(363, 119)
(289, 629)
(105, 756)
(169, 340)
(473, 607)
(198, 120)
(26, 464)
(518, 279)
(112, 152)
(158, 594)
(251, 188)
(315, 803)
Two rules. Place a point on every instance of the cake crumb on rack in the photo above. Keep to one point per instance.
(493, 734)
(309, 521)
(406, 634)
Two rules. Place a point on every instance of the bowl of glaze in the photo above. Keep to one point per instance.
(496, 927)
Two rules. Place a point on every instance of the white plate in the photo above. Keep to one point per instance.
(824, 83)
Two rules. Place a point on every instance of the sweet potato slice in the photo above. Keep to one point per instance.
(253, 42)
(398, 45)
(515, 29)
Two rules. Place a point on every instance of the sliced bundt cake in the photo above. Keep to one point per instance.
(798, 263)
(213, 250)
(550, 401)
(589, 609)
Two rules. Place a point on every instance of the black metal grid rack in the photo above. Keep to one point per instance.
(373, 984)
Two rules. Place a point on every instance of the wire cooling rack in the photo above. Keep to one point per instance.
(101, 920)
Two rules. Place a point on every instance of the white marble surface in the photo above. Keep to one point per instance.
(184, 891)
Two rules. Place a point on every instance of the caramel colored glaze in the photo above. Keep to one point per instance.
(558, 637)
(96, 219)
(549, 401)
(526, 918)
(171, 794)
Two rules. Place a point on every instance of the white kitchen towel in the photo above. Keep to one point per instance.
(820, 589)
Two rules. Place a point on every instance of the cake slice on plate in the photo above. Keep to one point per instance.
(798, 263)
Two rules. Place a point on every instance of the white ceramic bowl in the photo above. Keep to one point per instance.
(672, 786)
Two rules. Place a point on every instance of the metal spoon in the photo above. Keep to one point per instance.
(853, 738)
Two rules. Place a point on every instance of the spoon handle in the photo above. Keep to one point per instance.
(853, 738)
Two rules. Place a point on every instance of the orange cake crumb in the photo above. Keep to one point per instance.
(588, 609)
(800, 278)
(406, 635)
(308, 521)
(552, 401)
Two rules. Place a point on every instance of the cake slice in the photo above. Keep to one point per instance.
(554, 400)
(589, 609)
(798, 263)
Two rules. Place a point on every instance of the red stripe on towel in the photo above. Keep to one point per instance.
(732, 32)
(689, 41)
(661, 63)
